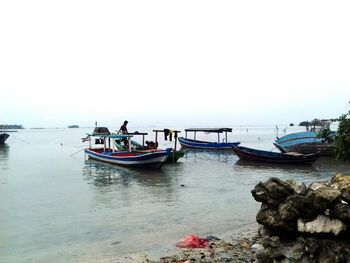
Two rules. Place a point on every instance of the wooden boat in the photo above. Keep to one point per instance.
(131, 158)
(3, 136)
(250, 154)
(304, 142)
(150, 146)
(197, 144)
(175, 154)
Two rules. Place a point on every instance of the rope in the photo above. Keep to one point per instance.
(20, 139)
(75, 146)
(76, 152)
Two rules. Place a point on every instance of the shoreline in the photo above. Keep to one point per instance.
(234, 246)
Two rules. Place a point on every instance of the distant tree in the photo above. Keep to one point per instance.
(304, 123)
(342, 138)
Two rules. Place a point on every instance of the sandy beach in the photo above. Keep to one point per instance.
(230, 247)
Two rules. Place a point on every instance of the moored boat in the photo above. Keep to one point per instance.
(3, 135)
(151, 146)
(130, 158)
(304, 142)
(175, 154)
(250, 154)
(198, 144)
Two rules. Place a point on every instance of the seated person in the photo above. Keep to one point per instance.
(151, 145)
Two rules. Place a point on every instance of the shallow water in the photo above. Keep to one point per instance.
(55, 206)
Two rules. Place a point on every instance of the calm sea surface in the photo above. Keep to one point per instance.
(56, 206)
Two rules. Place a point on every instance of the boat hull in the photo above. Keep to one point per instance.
(149, 160)
(304, 142)
(190, 143)
(174, 156)
(3, 137)
(249, 154)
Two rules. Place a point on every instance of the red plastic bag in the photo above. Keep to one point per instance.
(192, 241)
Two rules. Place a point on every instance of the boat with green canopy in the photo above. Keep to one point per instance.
(104, 150)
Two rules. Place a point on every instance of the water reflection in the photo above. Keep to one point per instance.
(323, 169)
(332, 166)
(4, 154)
(104, 174)
(225, 156)
(285, 167)
(118, 187)
(4, 150)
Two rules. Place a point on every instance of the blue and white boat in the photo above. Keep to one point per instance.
(108, 153)
(304, 142)
(216, 145)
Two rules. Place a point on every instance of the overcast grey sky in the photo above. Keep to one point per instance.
(185, 63)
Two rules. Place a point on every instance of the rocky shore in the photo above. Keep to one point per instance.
(298, 223)
(302, 223)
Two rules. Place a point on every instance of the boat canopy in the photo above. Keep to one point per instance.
(166, 133)
(208, 130)
(164, 130)
(113, 136)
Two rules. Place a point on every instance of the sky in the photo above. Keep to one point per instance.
(181, 63)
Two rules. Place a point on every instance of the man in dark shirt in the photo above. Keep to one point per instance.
(124, 130)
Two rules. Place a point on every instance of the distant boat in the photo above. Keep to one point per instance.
(73, 126)
(255, 155)
(197, 144)
(130, 158)
(3, 137)
(304, 142)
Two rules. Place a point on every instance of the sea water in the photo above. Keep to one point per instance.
(57, 206)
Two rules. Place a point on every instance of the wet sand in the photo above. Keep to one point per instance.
(231, 247)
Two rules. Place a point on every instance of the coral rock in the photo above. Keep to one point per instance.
(322, 224)
(340, 181)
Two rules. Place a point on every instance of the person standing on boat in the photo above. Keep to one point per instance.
(124, 130)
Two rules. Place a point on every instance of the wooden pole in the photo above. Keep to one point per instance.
(175, 141)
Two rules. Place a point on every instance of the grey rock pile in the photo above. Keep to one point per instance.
(302, 223)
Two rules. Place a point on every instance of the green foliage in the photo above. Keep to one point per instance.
(342, 139)
(326, 134)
